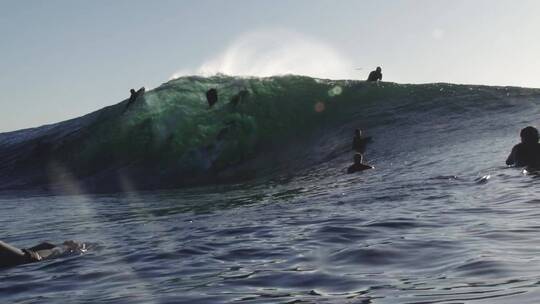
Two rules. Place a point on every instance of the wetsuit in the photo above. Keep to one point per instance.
(12, 256)
(211, 97)
(360, 143)
(374, 76)
(525, 155)
(134, 96)
(236, 99)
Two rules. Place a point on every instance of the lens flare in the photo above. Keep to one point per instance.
(335, 91)
(320, 107)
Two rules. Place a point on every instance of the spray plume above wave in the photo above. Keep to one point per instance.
(265, 53)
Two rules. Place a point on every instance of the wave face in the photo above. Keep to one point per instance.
(281, 125)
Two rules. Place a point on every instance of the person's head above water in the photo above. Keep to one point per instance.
(378, 69)
(358, 158)
(529, 135)
(358, 132)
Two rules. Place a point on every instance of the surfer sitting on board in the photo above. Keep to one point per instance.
(375, 75)
(13, 256)
(526, 153)
(358, 165)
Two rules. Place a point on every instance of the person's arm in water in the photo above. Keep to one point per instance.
(511, 160)
(6, 250)
(12, 256)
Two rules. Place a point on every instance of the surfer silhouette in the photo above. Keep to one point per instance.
(526, 153)
(358, 164)
(360, 142)
(241, 96)
(13, 256)
(211, 97)
(375, 75)
(134, 96)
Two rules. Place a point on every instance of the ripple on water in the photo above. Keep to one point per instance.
(341, 234)
(481, 268)
(253, 253)
(399, 223)
(300, 280)
(365, 256)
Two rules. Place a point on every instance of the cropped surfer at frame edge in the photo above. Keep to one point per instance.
(526, 153)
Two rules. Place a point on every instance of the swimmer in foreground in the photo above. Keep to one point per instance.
(526, 153)
(13, 256)
(358, 165)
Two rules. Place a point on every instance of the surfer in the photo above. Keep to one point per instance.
(13, 256)
(526, 153)
(360, 142)
(375, 75)
(211, 97)
(358, 164)
(236, 99)
(134, 96)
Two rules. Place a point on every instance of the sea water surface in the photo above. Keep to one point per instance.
(439, 220)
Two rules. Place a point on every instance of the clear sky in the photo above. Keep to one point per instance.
(60, 59)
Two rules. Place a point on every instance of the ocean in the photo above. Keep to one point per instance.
(251, 203)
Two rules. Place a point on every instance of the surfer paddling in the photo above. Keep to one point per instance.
(358, 164)
(526, 153)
